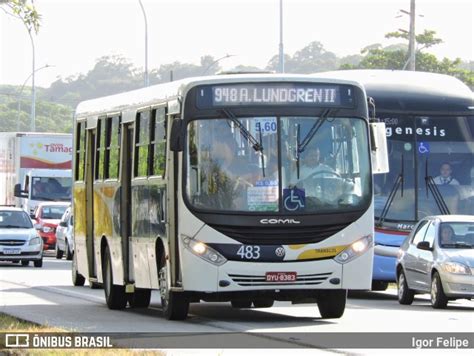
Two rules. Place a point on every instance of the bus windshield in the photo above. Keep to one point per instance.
(435, 158)
(278, 164)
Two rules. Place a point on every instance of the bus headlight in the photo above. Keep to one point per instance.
(357, 248)
(200, 249)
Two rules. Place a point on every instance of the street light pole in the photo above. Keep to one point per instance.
(412, 41)
(33, 87)
(21, 91)
(146, 43)
(281, 58)
(217, 60)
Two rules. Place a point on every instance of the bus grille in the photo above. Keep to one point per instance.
(245, 280)
(12, 242)
(279, 234)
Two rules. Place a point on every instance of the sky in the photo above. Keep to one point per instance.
(75, 33)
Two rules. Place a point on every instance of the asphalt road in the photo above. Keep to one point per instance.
(46, 296)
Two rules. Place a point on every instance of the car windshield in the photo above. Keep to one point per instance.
(278, 164)
(53, 212)
(15, 220)
(51, 188)
(457, 235)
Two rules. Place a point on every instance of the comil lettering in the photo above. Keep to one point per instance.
(279, 221)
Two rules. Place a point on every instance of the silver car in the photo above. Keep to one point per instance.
(64, 236)
(19, 240)
(438, 258)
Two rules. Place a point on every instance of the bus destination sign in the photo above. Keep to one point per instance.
(297, 94)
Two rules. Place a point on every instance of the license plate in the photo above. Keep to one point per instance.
(280, 276)
(11, 251)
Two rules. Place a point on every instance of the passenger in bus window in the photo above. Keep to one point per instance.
(445, 177)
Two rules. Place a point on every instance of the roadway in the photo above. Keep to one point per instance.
(46, 296)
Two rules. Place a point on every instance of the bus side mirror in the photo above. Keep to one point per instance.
(378, 145)
(18, 193)
(176, 136)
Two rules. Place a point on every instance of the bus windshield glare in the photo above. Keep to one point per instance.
(278, 164)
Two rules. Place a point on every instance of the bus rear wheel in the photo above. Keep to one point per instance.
(175, 305)
(332, 303)
(115, 295)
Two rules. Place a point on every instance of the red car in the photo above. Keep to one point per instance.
(48, 215)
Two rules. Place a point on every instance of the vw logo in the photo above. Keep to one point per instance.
(280, 252)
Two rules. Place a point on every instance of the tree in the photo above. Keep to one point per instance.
(24, 10)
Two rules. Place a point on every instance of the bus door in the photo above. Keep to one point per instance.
(125, 196)
(90, 176)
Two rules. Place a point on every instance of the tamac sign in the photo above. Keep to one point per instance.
(46, 152)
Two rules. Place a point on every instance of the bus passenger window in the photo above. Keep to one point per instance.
(80, 150)
(100, 157)
(113, 147)
(158, 145)
(142, 139)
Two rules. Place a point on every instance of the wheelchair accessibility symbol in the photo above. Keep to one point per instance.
(294, 199)
(423, 147)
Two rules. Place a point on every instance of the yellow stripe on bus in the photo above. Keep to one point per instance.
(324, 252)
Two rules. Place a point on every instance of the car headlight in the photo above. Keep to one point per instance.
(457, 268)
(35, 241)
(47, 229)
(356, 249)
(200, 249)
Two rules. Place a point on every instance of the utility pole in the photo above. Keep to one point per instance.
(281, 58)
(412, 39)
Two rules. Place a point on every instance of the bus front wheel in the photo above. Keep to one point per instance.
(175, 305)
(332, 303)
(115, 295)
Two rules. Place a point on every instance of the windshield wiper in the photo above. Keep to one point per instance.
(399, 182)
(300, 147)
(433, 188)
(256, 144)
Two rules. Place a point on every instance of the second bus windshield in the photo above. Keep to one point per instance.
(278, 164)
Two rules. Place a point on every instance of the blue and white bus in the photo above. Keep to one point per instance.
(429, 122)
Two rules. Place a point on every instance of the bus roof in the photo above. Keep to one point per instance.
(162, 92)
(414, 92)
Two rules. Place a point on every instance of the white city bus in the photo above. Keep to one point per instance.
(215, 189)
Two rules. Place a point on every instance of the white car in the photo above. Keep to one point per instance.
(64, 236)
(19, 239)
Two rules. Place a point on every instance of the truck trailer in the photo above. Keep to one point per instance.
(34, 168)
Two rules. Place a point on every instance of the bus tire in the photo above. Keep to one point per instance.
(241, 304)
(140, 298)
(78, 279)
(115, 295)
(175, 305)
(438, 298)
(379, 286)
(263, 303)
(332, 303)
(405, 294)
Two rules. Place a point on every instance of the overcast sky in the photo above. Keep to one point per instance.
(74, 33)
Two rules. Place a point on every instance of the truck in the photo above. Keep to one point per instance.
(34, 168)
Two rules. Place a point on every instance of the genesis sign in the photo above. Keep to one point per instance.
(295, 94)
